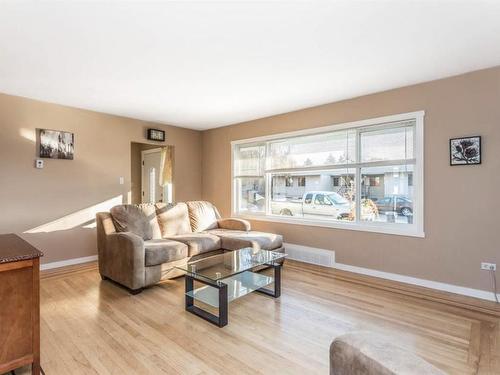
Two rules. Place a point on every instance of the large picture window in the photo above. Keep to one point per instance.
(366, 175)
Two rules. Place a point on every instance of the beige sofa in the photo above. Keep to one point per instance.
(139, 245)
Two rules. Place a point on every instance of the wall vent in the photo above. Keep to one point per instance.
(312, 255)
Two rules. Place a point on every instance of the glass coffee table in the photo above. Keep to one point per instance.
(227, 277)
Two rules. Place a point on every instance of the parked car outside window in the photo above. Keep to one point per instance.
(400, 204)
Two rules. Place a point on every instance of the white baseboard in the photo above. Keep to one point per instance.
(477, 293)
(300, 253)
(68, 262)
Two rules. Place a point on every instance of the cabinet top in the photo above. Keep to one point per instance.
(13, 248)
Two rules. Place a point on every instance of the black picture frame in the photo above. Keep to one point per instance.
(465, 151)
(55, 144)
(156, 135)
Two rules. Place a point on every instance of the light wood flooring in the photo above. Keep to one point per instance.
(89, 326)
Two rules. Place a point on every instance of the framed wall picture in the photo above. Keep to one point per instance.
(465, 151)
(55, 144)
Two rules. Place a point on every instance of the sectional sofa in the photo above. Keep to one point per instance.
(139, 245)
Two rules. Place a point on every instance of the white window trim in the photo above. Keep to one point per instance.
(414, 230)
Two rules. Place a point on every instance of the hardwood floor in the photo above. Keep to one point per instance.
(89, 326)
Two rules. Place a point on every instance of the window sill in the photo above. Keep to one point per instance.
(394, 229)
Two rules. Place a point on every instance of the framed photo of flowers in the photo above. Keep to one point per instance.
(465, 151)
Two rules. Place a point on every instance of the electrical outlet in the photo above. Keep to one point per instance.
(488, 266)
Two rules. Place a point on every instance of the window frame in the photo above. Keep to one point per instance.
(416, 229)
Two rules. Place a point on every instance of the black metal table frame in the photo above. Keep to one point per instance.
(221, 319)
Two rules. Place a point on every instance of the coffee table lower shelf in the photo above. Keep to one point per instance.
(219, 293)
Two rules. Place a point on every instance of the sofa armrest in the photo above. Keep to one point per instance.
(124, 259)
(372, 353)
(234, 224)
(105, 226)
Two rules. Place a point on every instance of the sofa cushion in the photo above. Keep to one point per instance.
(203, 215)
(238, 239)
(198, 243)
(173, 219)
(139, 219)
(163, 251)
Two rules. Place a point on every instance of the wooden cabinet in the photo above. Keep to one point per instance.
(19, 304)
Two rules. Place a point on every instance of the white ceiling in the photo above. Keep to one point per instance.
(208, 64)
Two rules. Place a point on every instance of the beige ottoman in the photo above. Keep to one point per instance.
(366, 353)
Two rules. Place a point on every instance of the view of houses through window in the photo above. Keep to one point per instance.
(317, 177)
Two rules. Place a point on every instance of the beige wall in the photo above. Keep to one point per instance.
(461, 203)
(56, 204)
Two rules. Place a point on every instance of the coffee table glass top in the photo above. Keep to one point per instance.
(221, 266)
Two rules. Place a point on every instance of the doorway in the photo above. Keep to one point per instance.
(152, 189)
(148, 184)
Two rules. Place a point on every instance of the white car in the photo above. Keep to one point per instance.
(325, 203)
